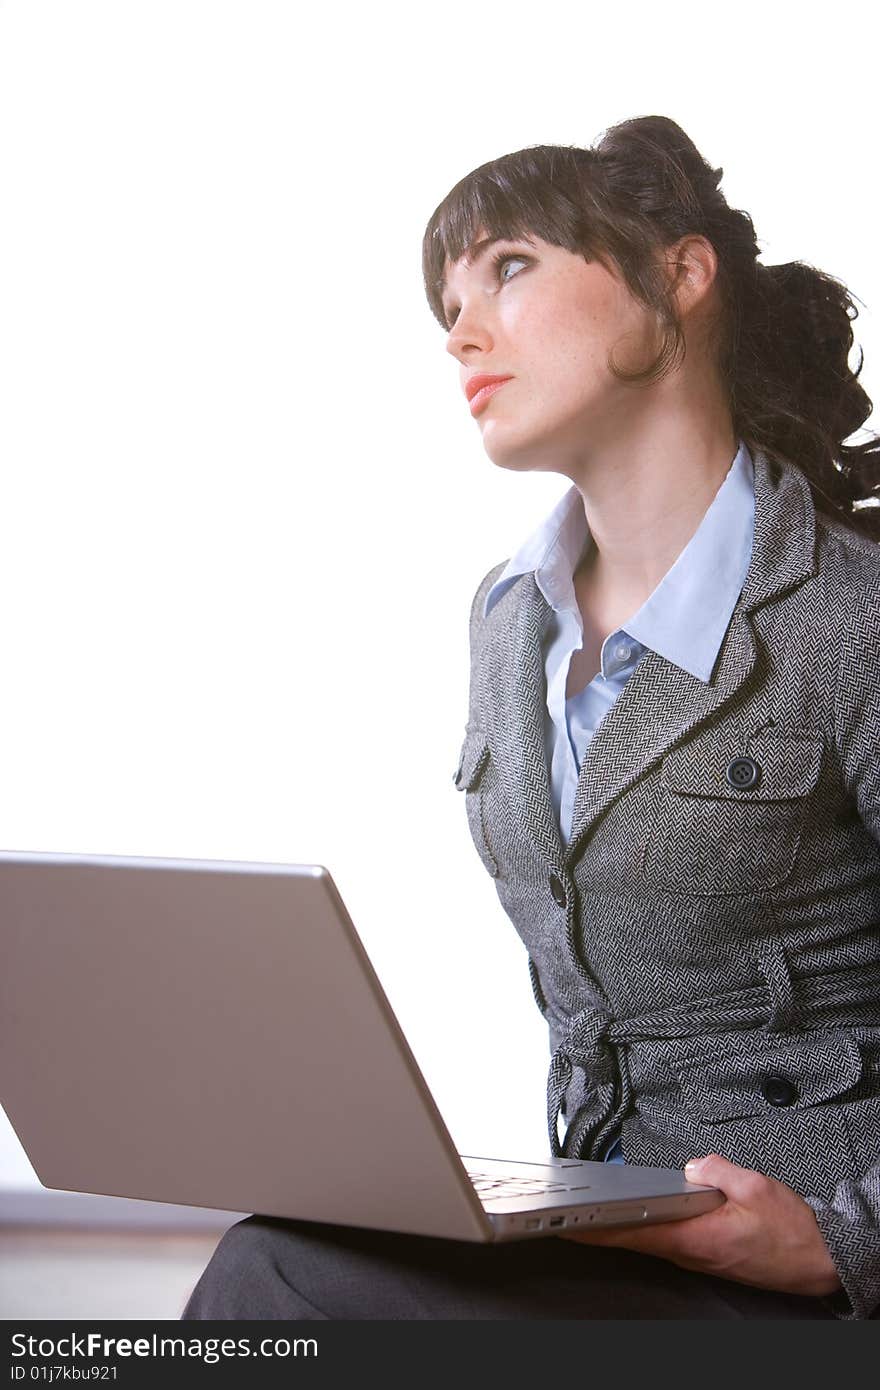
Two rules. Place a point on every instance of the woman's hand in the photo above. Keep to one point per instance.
(764, 1234)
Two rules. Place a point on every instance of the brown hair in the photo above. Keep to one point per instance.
(784, 332)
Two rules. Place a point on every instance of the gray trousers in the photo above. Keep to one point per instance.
(265, 1268)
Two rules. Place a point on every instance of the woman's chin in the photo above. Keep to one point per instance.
(520, 456)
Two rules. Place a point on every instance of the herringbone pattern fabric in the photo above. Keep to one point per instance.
(699, 934)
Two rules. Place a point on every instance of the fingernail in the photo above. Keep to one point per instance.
(692, 1165)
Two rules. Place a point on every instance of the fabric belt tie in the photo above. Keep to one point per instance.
(592, 1038)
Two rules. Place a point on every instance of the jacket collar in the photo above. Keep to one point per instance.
(513, 688)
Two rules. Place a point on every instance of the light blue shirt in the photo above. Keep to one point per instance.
(684, 620)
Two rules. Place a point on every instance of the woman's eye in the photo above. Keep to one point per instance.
(504, 260)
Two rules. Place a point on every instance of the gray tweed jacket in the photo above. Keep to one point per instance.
(706, 947)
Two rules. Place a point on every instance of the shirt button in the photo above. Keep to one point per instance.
(557, 889)
(622, 651)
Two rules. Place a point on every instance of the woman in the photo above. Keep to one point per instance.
(669, 761)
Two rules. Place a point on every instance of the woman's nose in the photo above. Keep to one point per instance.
(469, 333)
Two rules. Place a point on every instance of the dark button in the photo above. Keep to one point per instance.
(743, 773)
(557, 889)
(778, 1090)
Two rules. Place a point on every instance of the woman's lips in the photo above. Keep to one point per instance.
(481, 399)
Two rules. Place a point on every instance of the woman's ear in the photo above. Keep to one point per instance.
(692, 265)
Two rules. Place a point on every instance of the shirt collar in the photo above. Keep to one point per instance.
(684, 620)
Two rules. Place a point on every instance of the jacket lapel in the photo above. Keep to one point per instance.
(661, 704)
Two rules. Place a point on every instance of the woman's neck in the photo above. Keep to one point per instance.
(643, 502)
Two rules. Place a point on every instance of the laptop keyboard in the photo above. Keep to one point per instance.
(489, 1185)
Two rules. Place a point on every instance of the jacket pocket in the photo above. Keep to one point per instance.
(732, 810)
(787, 762)
(777, 1077)
(473, 765)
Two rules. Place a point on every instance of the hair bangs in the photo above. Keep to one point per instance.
(508, 198)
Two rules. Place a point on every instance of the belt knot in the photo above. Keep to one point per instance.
(586, 1044)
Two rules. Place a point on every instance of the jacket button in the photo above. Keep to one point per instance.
(742, 773)
(778, 1090)
(557, 889)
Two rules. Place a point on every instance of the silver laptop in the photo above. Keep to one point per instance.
(213, 1034)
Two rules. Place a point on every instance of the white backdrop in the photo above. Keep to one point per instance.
(244, 504)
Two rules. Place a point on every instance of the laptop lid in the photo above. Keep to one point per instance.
(212, 1033)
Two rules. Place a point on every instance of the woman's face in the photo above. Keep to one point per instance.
(547, 319)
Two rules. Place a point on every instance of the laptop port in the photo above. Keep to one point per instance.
(556, 1221)
(533, 1223)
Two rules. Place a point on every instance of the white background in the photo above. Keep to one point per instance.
(244, 506)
